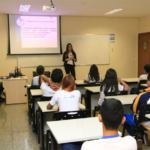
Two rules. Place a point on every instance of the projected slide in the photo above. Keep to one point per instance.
(38, 31)
(34, 34)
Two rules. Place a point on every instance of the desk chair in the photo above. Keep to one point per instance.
(136, 90)
(145, 109)
(38, 117)
(97, 108)
(142, 82)
(46, 73)
(65, 116)
(89, 84)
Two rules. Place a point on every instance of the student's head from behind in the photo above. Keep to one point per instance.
(94, 74)
(148, 80)
(40, 70)
(111, 114)
(57, 75)
(111, 75)
(68, 83)
(110, 81)
(147, 68)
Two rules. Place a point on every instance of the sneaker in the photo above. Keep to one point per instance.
(139, 144)
(146, 140)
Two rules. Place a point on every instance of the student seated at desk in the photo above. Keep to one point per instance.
(110, 85)
(68, 98)
(141, 99)
(40, 70)
(93, 75)
(56, 78)
(111, 117)
(144, 76)
(135, 90)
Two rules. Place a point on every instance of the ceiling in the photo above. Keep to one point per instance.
(132, 8)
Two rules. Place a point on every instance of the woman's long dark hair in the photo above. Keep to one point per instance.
(67, 51)
(110, 81)
(94, 74)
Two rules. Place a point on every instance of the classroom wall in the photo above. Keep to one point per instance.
(123, 53)
(144, 24)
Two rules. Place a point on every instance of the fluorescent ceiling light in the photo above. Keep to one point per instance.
(24, 8)
(113, 11)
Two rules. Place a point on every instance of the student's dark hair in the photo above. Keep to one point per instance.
(40, 69)
(147, 68)
(110, 82)
(57, 75)
(112, 113)
(94, 74)
(148, 77)
(67, 51)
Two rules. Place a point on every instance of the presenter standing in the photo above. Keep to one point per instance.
(69, 59)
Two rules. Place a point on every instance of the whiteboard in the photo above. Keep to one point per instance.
(90, 49)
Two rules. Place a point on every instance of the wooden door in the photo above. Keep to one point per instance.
(143, 51)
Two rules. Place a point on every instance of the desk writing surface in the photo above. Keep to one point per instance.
(36, 92)
(18, 78)
(94, 89)
(125, 99)
(75, 130)
(147, 115)
(44, 104)
(80, 82)
(130, 79)
(145, 85)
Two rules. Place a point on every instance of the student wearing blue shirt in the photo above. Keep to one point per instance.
(141, 99)
(111, 117)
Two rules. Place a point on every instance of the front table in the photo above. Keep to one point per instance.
(75, 130)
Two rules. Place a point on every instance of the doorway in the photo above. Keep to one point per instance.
(143, 51)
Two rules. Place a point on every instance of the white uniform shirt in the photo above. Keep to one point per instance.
(102, 94)
(36, 81)
(66, 101)
(70, 62)
(142, 77)
(47, 90)
(88, 79)
(116, 143)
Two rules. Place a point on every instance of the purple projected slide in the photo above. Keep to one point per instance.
(38, 32)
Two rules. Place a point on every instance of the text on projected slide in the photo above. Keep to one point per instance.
(38, 32)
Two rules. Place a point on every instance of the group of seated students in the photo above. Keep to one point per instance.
(64, 94)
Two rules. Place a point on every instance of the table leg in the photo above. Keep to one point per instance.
(89, 101)
(53, 143)
(29, 112)
(41, 131)
(34, 127)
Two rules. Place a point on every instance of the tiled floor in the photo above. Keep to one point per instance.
(15, 132)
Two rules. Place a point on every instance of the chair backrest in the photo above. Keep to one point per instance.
(142, 82)
(46, 98)
(71, 115)
(145, 109)
(46, 73)
(119, 93)
(94, 84)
